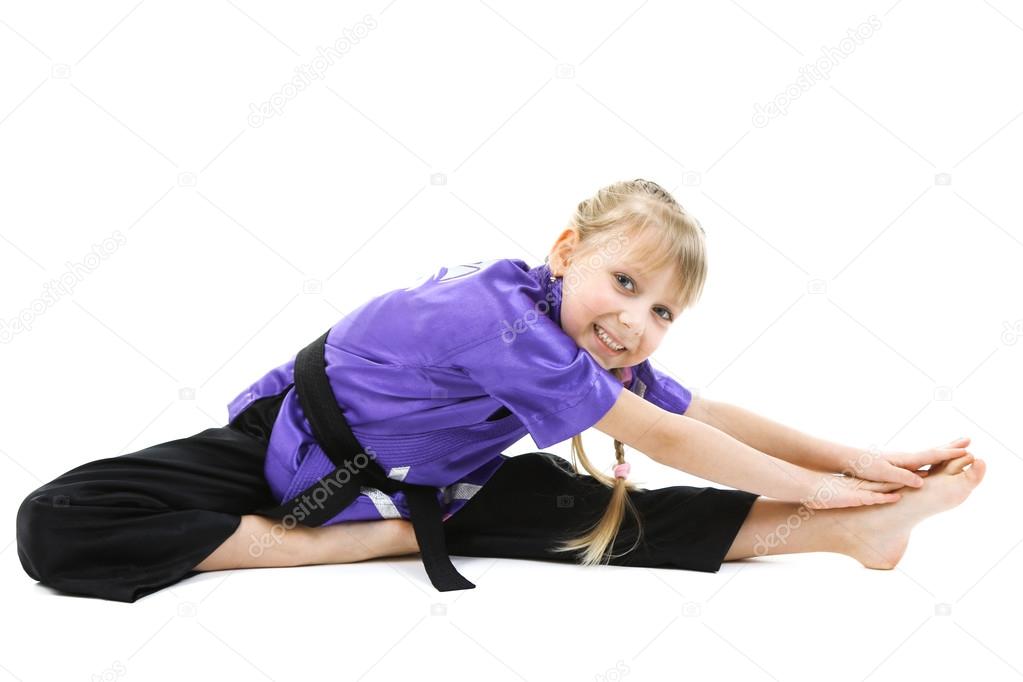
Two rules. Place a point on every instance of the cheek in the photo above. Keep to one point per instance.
(584, 313)
(584, 305)
(653, 339)
(573, 317)
(597, 302)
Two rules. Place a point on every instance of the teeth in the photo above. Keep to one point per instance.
(607, 339)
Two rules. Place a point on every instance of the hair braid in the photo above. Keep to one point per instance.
(678, 240)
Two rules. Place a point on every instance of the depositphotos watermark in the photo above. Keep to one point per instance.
(780, 535)
(596, 260)
(1011, 332)
(313, 71)
(811, 74)
(315, 499)
(63, 285)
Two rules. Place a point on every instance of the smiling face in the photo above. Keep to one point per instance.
(607, 291)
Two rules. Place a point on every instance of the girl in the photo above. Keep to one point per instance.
(383, 438)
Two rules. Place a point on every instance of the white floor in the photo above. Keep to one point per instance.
(949, 611)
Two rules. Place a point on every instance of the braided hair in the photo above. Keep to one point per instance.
(632, 207)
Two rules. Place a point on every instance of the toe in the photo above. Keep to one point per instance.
(955, 466)
(976, 472)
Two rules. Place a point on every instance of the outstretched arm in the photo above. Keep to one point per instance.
(702, 450)
(771, 437)
(699, 449)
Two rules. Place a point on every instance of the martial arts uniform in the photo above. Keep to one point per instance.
(435, 380)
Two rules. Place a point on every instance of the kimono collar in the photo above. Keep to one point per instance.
(552, 291)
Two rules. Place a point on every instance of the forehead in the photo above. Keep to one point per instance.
(646, 268)
(645, 254)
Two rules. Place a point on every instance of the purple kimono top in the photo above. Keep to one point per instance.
(438, 378)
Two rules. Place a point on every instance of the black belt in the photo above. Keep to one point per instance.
(354, 469)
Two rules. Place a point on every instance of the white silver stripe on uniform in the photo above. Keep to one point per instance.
(383, 503)
(460, 491)
(638, 387)
(398, 473)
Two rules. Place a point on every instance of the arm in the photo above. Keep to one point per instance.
(771, 437)
(702, 450)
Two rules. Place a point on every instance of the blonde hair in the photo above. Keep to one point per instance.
(672, 236)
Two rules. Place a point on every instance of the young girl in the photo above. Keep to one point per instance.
(428, 384)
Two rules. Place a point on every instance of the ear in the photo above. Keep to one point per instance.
(561, 253)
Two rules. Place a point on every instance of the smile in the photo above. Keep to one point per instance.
(606, 341)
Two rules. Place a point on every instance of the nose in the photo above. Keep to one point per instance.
(631, 323)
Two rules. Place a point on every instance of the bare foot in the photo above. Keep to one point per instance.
(880, 533)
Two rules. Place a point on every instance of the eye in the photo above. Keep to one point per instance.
(668, 318)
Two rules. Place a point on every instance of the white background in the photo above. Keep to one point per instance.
(890, 182)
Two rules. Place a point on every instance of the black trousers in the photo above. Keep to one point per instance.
(124, 527)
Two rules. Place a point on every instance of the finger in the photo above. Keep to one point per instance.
(938, 455)
(884, 498)
(881, 486)
(946, 467)
(906, 477)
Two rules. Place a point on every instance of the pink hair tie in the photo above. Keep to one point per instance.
(622, 470)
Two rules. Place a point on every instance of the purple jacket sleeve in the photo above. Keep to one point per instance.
(554, 387)
(498, 335)
(661, 389)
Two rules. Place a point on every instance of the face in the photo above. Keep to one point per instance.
(605, 288)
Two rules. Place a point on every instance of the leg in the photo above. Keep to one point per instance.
(261, 542)
(123, 527)
(536, 500)
(776, 527)
(875, 535)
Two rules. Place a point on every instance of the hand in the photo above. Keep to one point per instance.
(903, 467)
(830, 491)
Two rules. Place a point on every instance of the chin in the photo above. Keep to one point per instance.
(604, 362)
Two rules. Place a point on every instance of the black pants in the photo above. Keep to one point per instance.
(124, 527)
